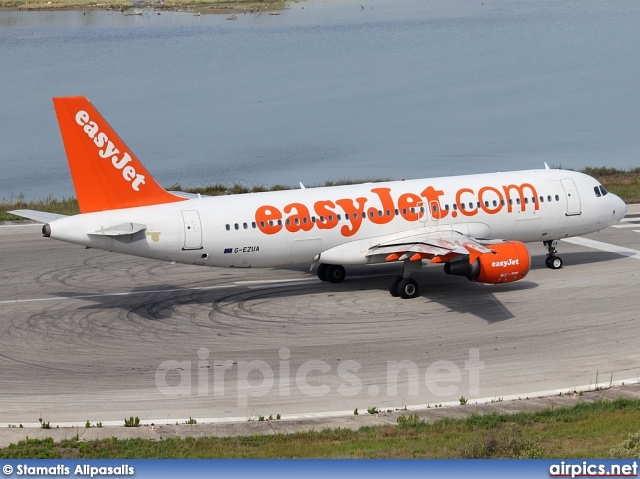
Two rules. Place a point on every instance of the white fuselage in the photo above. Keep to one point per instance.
(294, 226)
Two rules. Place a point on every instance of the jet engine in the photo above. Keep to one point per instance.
(510, 262)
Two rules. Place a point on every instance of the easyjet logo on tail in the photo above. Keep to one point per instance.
(108, 150)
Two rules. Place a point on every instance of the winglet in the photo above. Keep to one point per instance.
(546, 167)
(105, 173)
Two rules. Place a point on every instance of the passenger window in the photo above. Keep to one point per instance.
(227, 227)
(495, 203)
(533, 200)
(549, 198)
(313, 219)
(526, 201)
(379, 212)
(486, 203)
(346, 216)
(502, 202)
(462, 206)
(253, 224)
(542, 199)
(287, 222)
(245, 226)
(446, 207)
(518, 200)
(557, 198)
(279, 222)
(397, 212)
(305, 220)
(470, 205)
(404, 211)
(270, 223)
(510, 201)
(455, 207)
(297, 221)
(339, 218)
(236, 226)
(262, 224)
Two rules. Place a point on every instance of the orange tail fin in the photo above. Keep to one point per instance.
(105, 174)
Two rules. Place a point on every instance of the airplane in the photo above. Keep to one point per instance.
(472, 225)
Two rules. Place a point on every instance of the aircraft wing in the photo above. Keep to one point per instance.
(41, 216)
(437, 246)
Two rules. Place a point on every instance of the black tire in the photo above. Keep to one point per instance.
(322, 272)
(555, 262)
(393, 287)
(408, 288)
(335, 273)
(547, 262)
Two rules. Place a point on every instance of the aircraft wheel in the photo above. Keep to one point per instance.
(554, 262)
(408, 288)
(322, 272)
(335, 273)
(393, 287)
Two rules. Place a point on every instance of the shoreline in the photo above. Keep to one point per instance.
(204, 6)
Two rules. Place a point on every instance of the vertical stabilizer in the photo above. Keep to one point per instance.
(105, 173)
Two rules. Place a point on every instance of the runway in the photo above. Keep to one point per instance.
(90, 335)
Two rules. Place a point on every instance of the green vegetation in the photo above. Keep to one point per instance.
(596, 429)
(624, 183)
(132, 422)
(627, 448)
(66, 206)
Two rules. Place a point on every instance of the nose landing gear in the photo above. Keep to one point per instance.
(552, 261)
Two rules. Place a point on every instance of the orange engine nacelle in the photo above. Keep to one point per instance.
(510, 262)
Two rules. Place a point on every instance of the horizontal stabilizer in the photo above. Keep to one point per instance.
(122, 229)
(41, 216)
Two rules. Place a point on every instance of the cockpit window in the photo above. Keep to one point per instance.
(603, 190)
(597, 191)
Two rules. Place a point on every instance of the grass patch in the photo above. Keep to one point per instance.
(66, 206)
(584, 430)
(624, 183)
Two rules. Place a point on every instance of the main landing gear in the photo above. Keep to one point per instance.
(403, 286)
(552, 261)
(333, 273)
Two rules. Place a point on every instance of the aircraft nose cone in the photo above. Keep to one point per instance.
(620, 210)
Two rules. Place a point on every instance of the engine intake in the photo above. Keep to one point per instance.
(511, 262)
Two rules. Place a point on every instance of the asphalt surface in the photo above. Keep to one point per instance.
(90, 335)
